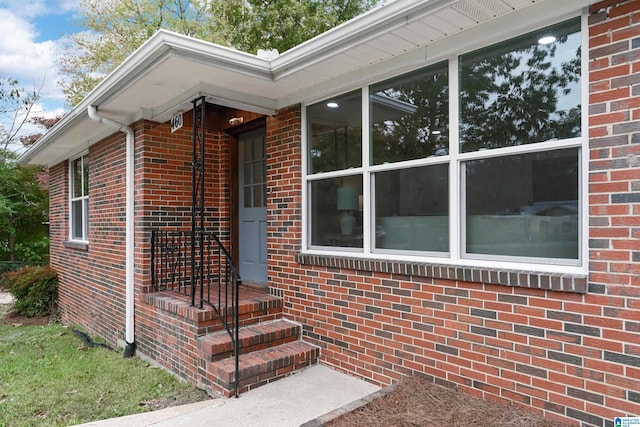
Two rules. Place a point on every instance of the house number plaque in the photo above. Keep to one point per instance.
(176, 121)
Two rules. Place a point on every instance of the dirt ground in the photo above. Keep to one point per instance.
(417, 403)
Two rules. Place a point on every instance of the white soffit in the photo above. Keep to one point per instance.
(170, 70)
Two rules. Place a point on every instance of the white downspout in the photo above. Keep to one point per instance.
(129, 220)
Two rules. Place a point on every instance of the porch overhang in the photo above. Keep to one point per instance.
(168, 71)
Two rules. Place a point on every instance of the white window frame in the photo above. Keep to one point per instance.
(84, 198)
(456, 255)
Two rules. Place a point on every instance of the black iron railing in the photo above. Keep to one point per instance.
(198, 265)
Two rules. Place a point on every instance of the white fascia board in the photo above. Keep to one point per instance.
(145, 58)
(533, 17)
(352, 33)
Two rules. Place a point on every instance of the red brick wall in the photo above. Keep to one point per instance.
(163, 201)
(569, 355)
(92, 279)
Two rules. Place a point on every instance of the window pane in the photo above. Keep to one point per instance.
(257, 196)
(412, 209)
(76, 219)
(77, 178)
(523, 205)
(246, 171)
(248, 196)
(85, 176)
(336, 218)
(521, 91)
(335, 133)
(258, 172)
(410, 116)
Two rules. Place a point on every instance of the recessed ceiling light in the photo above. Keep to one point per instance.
(546, 39)
(332, 104)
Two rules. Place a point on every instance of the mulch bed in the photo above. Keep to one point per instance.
(417, 403)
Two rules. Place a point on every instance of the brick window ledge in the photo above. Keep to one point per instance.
(523, 279)
(81, 246)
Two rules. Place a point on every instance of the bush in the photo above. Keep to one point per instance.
(35, 290)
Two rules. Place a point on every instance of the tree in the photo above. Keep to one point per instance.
(24, 205)
(15, 106)
(116, 28)
(24, 200)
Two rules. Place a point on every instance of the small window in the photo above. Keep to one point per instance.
(79, 199)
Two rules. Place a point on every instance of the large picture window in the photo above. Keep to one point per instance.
(79, 199)
(506, 186)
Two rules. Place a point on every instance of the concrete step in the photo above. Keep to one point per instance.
(255, 337)
(262, 366)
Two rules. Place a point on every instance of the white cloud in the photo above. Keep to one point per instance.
(33, 8)
(31, 57)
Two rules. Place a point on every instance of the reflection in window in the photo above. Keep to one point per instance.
(523, 205)
(412, 209)
(522, 91)
(336, 212)
(79, 198)
(410, 116)
(335, 133)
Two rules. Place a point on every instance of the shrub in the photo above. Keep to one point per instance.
(35, 290)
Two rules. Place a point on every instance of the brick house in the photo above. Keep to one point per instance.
(443, 188)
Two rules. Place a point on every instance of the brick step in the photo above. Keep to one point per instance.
(255, 306)
(263, 366)
(255, 337)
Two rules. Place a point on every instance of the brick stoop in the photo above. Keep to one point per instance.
(270, 346)
(262, 366)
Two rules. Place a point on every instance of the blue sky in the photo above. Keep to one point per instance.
(31, 36)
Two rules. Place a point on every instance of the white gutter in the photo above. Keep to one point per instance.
(92, 111)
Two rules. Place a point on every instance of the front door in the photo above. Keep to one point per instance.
(252, 209)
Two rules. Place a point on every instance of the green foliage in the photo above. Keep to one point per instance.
(35, 290)
(24, 206)
(48, 377)
(119, 27)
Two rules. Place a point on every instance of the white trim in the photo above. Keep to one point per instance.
(456, 231)
(456, 255)
(306, 204)
(583, 187)
(84, 199)
(368, 227)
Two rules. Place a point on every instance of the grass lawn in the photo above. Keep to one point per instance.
(50, 377)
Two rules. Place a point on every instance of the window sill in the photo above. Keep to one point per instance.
(515, 278)
(73, 244)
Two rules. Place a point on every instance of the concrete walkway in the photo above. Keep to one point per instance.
(291, 401)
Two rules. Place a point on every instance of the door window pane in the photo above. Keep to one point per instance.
(336, 218)
(410, 116)
(335, 133)
(522, 91)
(412, 209)
(523, 205)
